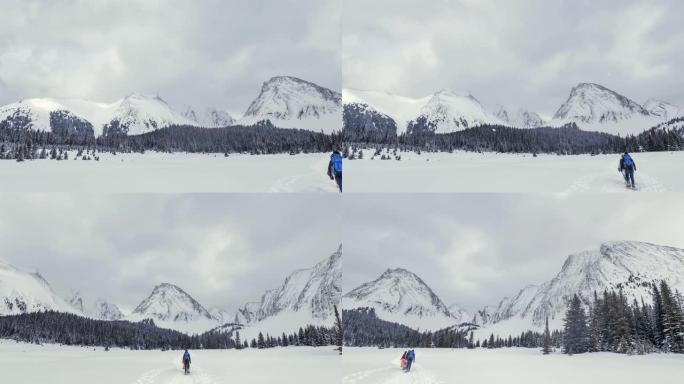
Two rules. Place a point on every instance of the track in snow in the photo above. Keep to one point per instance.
(604, 182)
(392, 374)
(173, 374)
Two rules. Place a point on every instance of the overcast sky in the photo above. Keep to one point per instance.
(203, 53)
(474, 249)
(523, 53)
(223, 250)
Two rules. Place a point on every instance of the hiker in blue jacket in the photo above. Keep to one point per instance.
(335, 168)
(410, 358)
(186, 362)
(628, 167)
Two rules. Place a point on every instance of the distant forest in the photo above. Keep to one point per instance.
(612, 324)
(363, 128)
(70, 329)
(19, 143)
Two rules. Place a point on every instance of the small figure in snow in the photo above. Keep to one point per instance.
(627, 167)
(410, 358)
(402, 361)
(186, 362)
(335, 168)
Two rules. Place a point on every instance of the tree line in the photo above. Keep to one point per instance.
(70, 329)
(69, 134)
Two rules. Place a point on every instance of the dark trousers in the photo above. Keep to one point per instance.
(409, 362)
(186, 366)
(338, 180)
(629, 175)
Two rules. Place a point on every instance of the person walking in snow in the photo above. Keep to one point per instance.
(402, 361)
(628, 167)
(186, 362)
(410, 358)
(335, 168)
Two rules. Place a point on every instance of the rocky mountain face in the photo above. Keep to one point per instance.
(400, 296)
(168, 302)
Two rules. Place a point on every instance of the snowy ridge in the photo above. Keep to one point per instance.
(518, 117)
(289, 102)
(402, 297)
(631, 266)
(98, 309)
(447, 110)
(209, 117)
(451, 112)
(138, 113)
(23, 292)
(661, 109)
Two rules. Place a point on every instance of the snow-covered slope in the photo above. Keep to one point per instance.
(632, 266)
(660, 108)
(596, 108)
(98, 309)
(307, 296)
(400, 296)
(459, 314)
(23, 292)
(136, 112)
(209, 117)
(518, 117)
(289, 102)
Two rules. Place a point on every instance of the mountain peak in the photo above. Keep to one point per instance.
(168, 302)
(592, 103)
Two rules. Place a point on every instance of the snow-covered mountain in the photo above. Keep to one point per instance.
(661, 109)
(133, 114)
(459, 314)
(518, 117)
(401, 296)
(307, 296)
(209, 117)
(289, 102)
(24, 292)
(98, 309)
(632, 266)
(168, 302)
(594, 107)
(446, 110)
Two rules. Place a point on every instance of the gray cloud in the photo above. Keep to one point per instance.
(525, 52)
(222, 249)
(474, 249)
(203, 53)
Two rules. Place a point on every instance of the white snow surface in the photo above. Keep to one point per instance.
(138, 112)
(402, 297)
(75, 365)
(24, 292)
(495, 172)
(507, 365)
(171, 173)
(661, 108)
(633, 266)
(289, 102)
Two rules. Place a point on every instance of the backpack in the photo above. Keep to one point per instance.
(336, 160)
(627, 159)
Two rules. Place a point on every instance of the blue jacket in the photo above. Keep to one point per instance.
(411, 355)
(186, 356)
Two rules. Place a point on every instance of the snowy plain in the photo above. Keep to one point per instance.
(513, 365)
(28, 363)
(495, 172)
(170, 172)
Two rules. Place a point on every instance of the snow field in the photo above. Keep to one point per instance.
(172, 173)
(495, 172)
(27, 363)
(515, 365)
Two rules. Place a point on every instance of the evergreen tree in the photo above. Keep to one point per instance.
(575, 330)
(547, 338)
